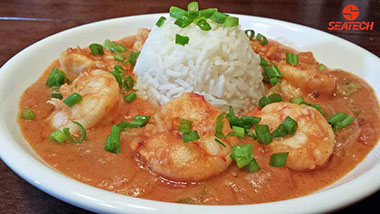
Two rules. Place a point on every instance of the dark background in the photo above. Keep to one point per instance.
(24, 22)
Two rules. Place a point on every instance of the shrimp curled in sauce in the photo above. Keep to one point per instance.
(163, 150)
(313, 142)
(99, 91)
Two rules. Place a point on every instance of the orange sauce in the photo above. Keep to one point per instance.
(122, 173)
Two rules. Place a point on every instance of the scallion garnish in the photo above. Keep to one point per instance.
(231, 21)
(137, 122)
(207, 13)
(253, 166)
(176, 12)
(263, 134)
(220, 142)
(28, 114)
(181, 40)
(81, 137)
(119, 57)
(119, 69)
(183, 21)
(57, 136)
(203, 25)
(160, 21)
(272, 73)
(128, 83)
(278, 159)
(292, 58)
(280, 131)
(321, 67)
(55, 92)
(218, 17)
(112, 46)
(191, 136)
(133, 58)
(185, 126)
(56, 78)
(245, 122)
(192, 6)
(273, 98)
(340, 120)
(130, 97)
(262, 39)
(72, 99)
(96, 49)
(239, 131)
(242, 154)
(290, 125)
(113, 141)
(117, 76)
(250, 34)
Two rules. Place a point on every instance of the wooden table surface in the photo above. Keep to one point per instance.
(24, 22)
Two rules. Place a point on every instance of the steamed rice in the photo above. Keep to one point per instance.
(218, 64)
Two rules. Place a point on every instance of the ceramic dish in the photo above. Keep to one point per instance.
(27, 66)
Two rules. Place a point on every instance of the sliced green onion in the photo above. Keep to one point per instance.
(185, 126)
(290, 125)
(280, 131)
(183, 22)
(56, 78)
(189, 137)
(274, 80)
(231, 21)
(72, 99)
(344, 123)
(292, 59)
(160, 21)
(57, 136)
(272, 71)
(96, 49)
(81, 137)
(112, 46)
(176, 12)
(181, 40)
(219, 126)
(321, 67)
(119, 57)
(28, 114)
(137, 122)
(273, 98)
(250, 34)
(192, 6)
(263, 61)
(242, 154)
(203, 25)
(340, 120)
(297, 100)
(319, 108)
(253, 166)
(55, 92)
(117, 76)
(245, 122)
(119, 69)
(207, 13)
(251, 134)
(278, 159)
(130, 97)
(239, 131)
(113, 141)
(263, 134)
(262, 39)
(218, 17)
(128, 83)
(220, 142)
(133, 58)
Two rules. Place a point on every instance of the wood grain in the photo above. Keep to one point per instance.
(24, 22)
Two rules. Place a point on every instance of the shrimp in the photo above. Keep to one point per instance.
(141, 36)
(99, 91)
(313, 142)
(163, 150)
(307, 78)
(74, 60)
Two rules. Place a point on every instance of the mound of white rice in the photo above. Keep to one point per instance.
(218, 64)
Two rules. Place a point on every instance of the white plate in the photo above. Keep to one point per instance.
(24, 69)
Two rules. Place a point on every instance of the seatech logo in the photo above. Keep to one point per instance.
(351, 13)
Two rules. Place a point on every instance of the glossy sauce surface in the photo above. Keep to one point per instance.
(123, 173)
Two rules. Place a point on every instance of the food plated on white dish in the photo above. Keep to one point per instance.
(193, 107)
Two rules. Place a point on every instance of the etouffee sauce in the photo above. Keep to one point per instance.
(123, 173)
